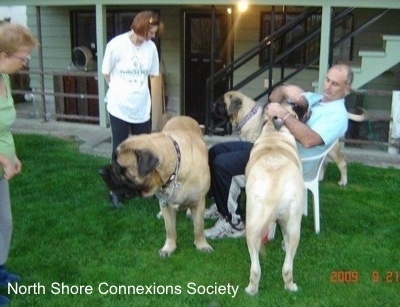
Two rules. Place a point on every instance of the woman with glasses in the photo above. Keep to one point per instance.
(16, 44)
(129, 60)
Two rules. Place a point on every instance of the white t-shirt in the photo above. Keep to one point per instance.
(129, 67)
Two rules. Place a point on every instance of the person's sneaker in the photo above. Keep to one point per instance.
(4, 300)
(223, 228)
(211, 212)
(115, 200)
(7, 278)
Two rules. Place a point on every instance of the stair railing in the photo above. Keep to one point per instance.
(267, 42)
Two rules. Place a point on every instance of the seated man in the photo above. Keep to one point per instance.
(328, 121)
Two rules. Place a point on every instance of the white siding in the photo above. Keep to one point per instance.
(55, 42)
(55, 28)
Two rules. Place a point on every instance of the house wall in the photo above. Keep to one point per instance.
(56, 46)
(247, 35)
(371, 39)
(56, 43)
(171, 56)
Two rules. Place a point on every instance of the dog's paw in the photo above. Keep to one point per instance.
(206, 248)
(291, 287)
(159, 215)
(342, 183)
(164, 254)
(166, 251)
(251, 290)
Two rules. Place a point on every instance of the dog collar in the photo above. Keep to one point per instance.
(163, 196)
(245, 119)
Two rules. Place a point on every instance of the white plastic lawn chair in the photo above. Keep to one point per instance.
(311, 182)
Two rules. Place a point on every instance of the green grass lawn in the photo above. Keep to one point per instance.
(68, 239)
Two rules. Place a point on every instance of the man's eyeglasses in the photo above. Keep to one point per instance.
(25, 60)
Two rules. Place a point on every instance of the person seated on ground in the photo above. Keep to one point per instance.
(327, 122)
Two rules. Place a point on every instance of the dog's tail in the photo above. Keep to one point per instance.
(358, 117)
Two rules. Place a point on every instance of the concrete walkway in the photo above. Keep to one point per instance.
(96, 140)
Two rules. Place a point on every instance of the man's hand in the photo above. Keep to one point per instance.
(291, 93)
(274, 109)
(301, 132)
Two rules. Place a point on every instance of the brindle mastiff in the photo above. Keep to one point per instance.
(171, 164)
(274, 192)
(246, 117)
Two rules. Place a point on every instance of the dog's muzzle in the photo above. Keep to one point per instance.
(219, 114)
(113, 174)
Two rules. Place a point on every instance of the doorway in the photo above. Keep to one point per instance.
(198, 45)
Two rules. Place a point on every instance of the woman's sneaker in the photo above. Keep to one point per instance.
(223, 228)
(211, 212)
(7, 278)
(4, 300)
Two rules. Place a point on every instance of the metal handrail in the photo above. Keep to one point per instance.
(255, 51)
(359, 29)
(267, 43)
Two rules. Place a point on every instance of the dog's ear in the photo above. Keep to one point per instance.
(146, 162)
(303, 114)
(236, 104)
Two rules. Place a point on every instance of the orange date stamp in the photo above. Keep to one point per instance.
(387, 277)
(344, 277)
(352, 276)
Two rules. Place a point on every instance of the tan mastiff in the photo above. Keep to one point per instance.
(247, 118)
(171, 164)
(274, 193)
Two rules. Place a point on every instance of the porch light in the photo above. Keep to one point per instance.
(242, 6)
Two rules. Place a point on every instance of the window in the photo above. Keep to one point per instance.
(83, 27)
(309, 50)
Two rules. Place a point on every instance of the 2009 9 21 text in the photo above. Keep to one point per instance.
(351, 276)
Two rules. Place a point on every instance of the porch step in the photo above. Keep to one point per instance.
(389, 37)
(356, 69)
(376, 62)
(373, 62)
(372, 53)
